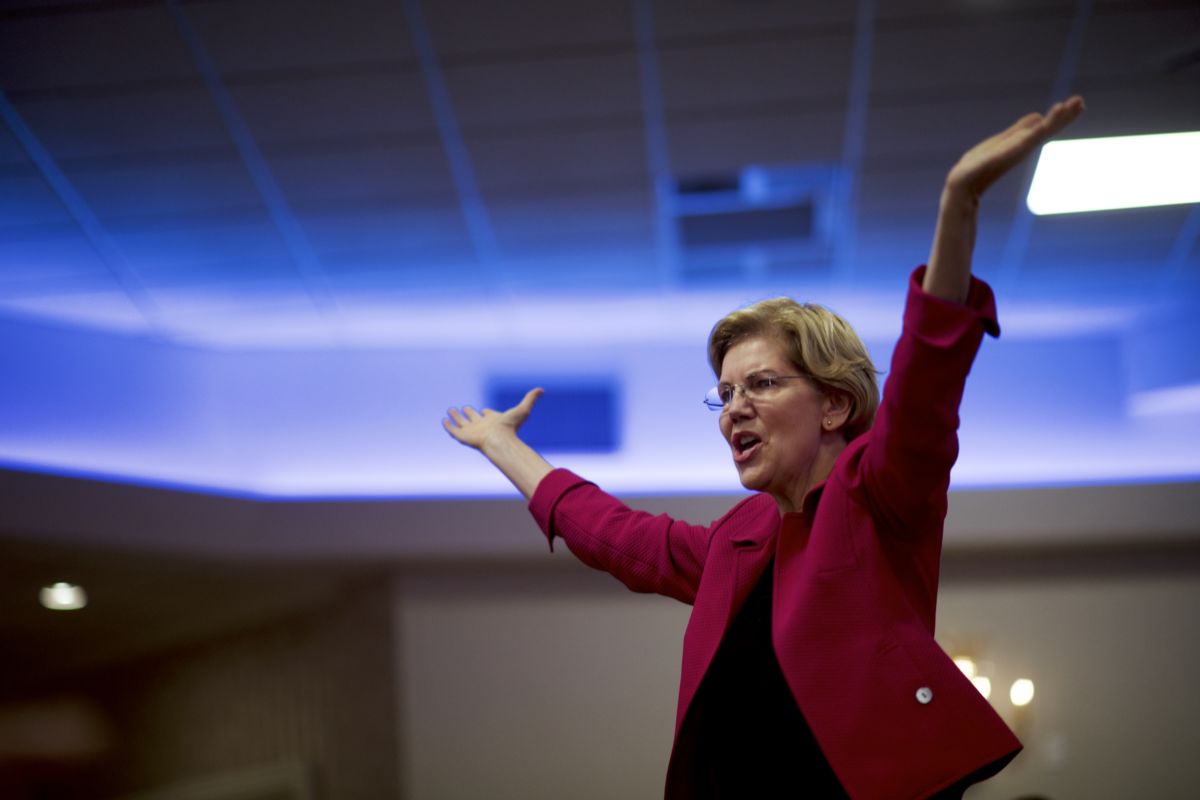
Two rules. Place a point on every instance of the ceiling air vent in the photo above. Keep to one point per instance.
(758, 223)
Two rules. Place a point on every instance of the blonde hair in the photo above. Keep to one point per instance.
(818, 342)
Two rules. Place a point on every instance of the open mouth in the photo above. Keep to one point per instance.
(745, 446)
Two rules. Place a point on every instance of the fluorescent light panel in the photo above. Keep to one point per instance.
(1077, 175)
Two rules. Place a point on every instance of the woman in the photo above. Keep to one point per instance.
(809, 664)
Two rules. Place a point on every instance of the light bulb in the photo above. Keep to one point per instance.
(1021, 692)
(63, 596)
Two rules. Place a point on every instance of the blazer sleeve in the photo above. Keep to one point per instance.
(647, 553)
(905, 468)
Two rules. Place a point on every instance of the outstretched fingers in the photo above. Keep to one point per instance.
(1061, 115)
(472, 427)
(459, 420)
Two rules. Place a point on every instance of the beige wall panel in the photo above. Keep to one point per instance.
(552, 681)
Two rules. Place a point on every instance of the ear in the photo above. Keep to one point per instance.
(835, 410)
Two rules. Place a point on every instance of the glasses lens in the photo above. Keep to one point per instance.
(713, 399)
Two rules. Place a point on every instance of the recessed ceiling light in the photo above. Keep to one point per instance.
(63, 596)
(1076, 175)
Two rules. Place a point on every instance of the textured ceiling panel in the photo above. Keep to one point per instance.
(934, 130)
(115, 45)
(379, 106)
(12, 154)
(265, 35)
(178, 123)
(165, 188)
(778, 134)
(721, 18)
(464, 28)
(159, 255)
(533, 92)
(38, 205)
(789, 72)
(1136, 38)
(965, 59)
(619, 217)
(350, 175)
(1160, 104)
(557, 162)
(430, 226)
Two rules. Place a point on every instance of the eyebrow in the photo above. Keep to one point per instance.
(763, 372)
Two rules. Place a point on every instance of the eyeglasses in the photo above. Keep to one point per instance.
(757, 387)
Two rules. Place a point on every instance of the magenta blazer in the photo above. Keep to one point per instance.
(856, 575)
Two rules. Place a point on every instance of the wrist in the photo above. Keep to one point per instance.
(957, 200)
(498, 441)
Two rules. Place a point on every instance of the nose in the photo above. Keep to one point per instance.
(739, 405)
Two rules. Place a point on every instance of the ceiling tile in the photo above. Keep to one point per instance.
(156, 252)
(383, 105)
(555, 161)
(95, 48)
(160, 121)
(470, 27)
(700, 18)
(165, 188)
(589, 87)
(1137, 39)
(29, 200)
(784, 71)
(779, 134)
(251, 35)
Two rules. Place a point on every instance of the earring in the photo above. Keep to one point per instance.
(828, 422)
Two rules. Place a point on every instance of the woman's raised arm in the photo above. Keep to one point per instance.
(494, 433)
(949, 272)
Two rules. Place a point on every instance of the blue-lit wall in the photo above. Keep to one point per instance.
(1040, 409)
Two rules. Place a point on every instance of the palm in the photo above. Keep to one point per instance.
(986, 162)
(473, 428)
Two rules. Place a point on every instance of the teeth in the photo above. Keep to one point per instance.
(744, 441)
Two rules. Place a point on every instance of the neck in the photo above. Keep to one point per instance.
(832, 445)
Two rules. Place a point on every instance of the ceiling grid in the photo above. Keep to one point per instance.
(557, 149)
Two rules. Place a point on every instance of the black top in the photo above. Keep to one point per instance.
(744, 735)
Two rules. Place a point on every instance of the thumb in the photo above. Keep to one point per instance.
(526, 404)
(531, 398)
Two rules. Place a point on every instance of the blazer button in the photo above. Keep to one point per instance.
(924, 695)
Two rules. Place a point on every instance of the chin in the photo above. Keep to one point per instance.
(751, 481)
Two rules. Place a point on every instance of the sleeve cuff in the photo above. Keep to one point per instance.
(549, 491)
(939, 318)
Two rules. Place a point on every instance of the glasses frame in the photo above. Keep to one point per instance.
(712, 398)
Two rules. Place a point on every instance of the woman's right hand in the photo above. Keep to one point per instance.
(494, 433)
(476, 429)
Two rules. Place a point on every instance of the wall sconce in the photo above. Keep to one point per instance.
(63, 596)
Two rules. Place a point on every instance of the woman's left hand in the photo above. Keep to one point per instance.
(986, 162)
(949, 272)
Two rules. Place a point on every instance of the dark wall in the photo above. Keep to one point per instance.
(316, 688)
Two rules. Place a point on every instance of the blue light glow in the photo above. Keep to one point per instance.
(1055, 401)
